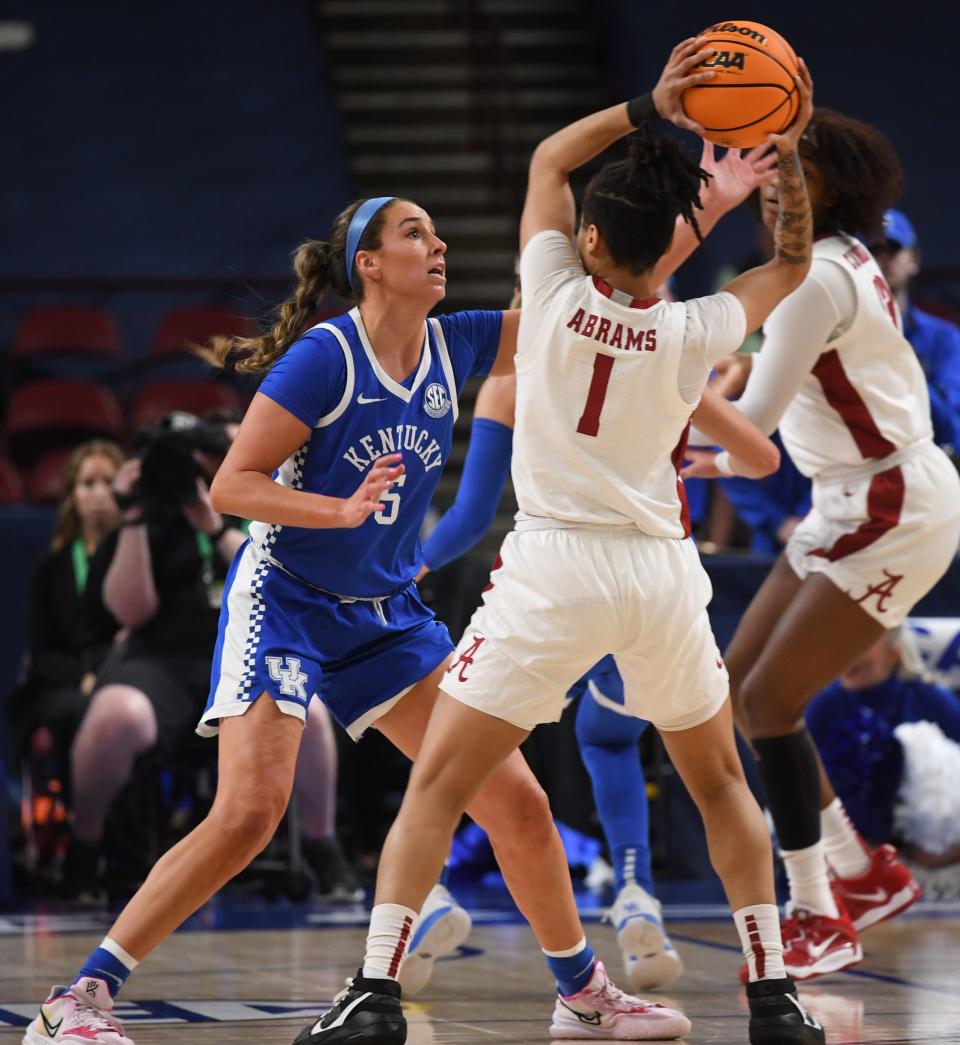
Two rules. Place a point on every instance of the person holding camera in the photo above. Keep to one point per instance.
(160, 576)
(62, 650)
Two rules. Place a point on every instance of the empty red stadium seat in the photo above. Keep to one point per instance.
(68, 328)
(195, 326)
(11, 487)
(46, 415)
(196, 397)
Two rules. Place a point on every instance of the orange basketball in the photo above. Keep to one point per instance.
(753, 92)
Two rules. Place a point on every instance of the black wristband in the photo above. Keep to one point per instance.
(216, 537)
(642, 110)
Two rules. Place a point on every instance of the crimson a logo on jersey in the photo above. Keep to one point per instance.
(436, 401)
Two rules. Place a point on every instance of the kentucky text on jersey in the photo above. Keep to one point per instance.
(392, 440)
(600, 328)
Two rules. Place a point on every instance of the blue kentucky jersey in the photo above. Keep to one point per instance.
(331, 380)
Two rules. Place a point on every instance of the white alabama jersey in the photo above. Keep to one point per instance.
(866, 396)
(601, 424)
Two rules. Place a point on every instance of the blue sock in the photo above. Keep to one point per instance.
(574, 971)
(631, 866)
(445, 874)
(106, 966)
(608, 743)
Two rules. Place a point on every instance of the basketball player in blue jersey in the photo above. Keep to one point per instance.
(338, 458)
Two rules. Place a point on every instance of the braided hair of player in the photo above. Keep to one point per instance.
(320, 267)
(634, 203)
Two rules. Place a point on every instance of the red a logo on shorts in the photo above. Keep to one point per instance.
(883, 591)
(466, 658)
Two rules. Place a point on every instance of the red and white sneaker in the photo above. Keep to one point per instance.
(602, 1011)
(77, 1015)
(814, 944)
(884, 891)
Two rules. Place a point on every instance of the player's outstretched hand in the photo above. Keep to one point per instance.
(355, 510)
(788, 141)
(737, 175)
(700, 465)
(678, 74)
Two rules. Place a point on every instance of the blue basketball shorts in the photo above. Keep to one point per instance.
(284, 638)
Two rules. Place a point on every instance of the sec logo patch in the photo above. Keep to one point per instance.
(436, 401)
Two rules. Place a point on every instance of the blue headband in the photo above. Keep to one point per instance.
(358, 226)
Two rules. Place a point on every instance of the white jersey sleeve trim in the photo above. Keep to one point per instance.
(447, 366)
(406, 394)
(337, 412)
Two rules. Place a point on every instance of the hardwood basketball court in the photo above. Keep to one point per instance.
(245, 972)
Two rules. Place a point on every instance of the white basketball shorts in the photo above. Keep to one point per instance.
(884, 538)
(560, 599)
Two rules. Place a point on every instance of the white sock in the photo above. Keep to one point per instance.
(846, 851)
(390, 927)
(759, 929)
(114, 948)
(809, 879)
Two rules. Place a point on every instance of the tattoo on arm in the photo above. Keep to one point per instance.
(793, 237)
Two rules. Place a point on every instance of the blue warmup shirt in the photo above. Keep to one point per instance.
(330, 379)
(936, 342)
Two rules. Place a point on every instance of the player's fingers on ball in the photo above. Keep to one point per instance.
(695, 59)
(690, 125)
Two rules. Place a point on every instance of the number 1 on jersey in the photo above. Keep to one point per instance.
(590, 418)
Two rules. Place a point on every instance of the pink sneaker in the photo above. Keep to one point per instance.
(602, 1011)
(77, 1015)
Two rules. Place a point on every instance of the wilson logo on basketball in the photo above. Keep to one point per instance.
(743, 30)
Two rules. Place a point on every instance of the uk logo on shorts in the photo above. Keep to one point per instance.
(289, 675)
(436, 402)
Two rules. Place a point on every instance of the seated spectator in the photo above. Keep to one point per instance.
(890, 744)
(161, 576)
(936, 341)
(62, 652)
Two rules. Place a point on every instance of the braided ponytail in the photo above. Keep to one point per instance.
(320, 268)
(634, 203)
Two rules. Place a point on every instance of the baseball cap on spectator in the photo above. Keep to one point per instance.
(899, 229)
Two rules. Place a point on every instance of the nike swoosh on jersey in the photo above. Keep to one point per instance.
(363, 400)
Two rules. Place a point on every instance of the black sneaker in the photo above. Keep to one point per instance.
(336, 879)
(367, 1011)
(778, 1018)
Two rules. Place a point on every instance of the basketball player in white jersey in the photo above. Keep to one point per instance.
(607, 377)
(848, 394)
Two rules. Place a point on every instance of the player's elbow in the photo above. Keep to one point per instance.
(765, 461)
(792, 270)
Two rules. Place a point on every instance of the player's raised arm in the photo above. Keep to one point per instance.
(761, 289)
(549, 203)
